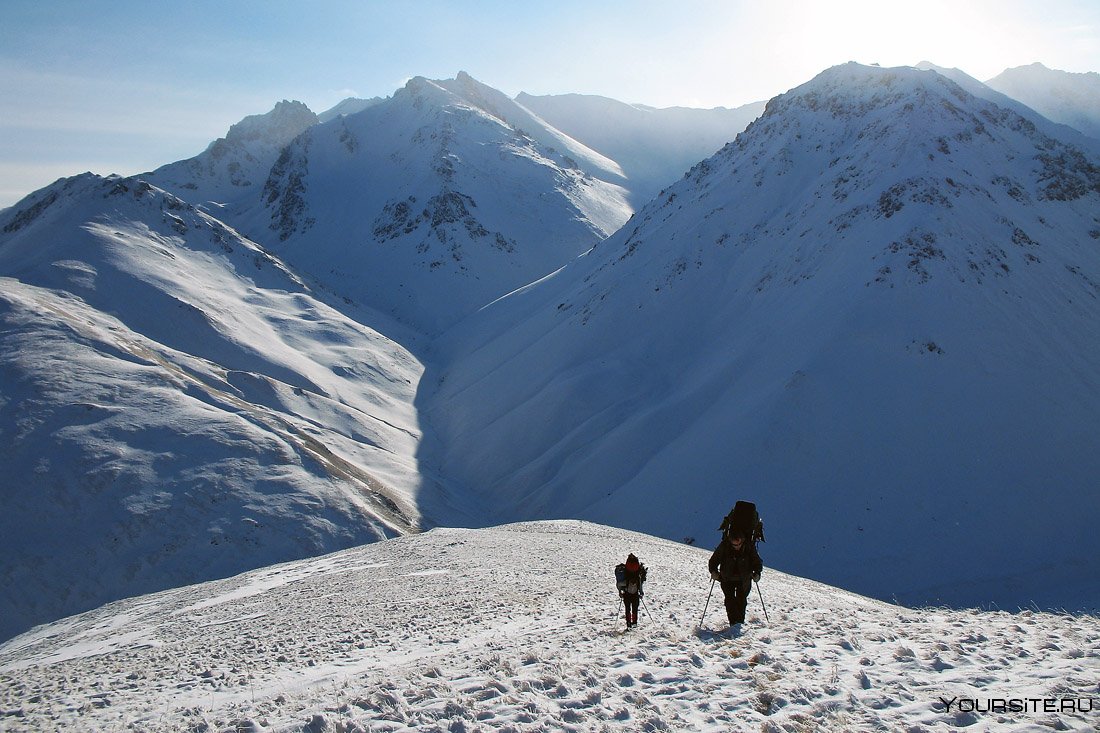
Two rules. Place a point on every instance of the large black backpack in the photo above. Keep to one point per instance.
(743, 520)
(623, 578)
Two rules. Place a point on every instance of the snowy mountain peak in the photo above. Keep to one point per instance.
(457, 190)
(1069, 98)
(233, 168)
(856, 88)
(917, 120)
(275, 128)
(462, 91)
(348, 106)
(869, 302)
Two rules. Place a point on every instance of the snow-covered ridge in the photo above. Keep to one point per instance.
(232, 168)
(517, 628)
(178, 405)
(1062, 96)
(878, 301)
(439, 191)
(653, 146)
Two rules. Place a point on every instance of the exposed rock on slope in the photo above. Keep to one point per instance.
(875, 312)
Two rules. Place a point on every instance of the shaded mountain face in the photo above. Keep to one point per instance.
(435, 202)
(874, 313)
(448, 195)
(349, 106)
(654, 147)
(176, 405)
(234, 168)
(1062, 96)
(1044, 125)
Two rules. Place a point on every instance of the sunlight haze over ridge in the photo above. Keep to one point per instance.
(126, 87)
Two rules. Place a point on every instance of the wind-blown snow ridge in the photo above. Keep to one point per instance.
(515, 628)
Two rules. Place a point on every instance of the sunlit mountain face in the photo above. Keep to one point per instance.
(873, 312)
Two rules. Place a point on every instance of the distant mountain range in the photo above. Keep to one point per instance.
(873, 308)
(1068, 98)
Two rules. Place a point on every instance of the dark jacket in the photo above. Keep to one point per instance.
(634, 574)
(732, 564)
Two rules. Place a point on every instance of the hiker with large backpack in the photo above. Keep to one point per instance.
(736, 562)
(629, 577)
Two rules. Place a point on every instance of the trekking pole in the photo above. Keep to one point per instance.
(761, 596)
(642, 599)
(707, 603)
(620, 606)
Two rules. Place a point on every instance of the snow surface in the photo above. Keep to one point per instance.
(875, 314)
(517, 628)
(875, 307)
(235, 167)
(176, 406)
(434, 202)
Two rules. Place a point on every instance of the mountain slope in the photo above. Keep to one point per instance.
(176, 405)
(1072, 99)
(235, 167)
(349, 106)
(448, 631)
(654, 147)
(875, 313)
(434, 202)
(1047, 125)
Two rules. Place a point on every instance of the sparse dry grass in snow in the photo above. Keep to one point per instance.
(515, 628)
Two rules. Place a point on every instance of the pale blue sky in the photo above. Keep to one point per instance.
(123, 86)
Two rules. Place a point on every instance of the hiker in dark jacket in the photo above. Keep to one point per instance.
(632, 592)
(735, 564)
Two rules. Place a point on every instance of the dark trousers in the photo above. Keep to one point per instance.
(737, 597)
(631, 602)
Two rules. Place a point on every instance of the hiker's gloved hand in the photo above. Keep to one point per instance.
(756, 577)
(714, 575)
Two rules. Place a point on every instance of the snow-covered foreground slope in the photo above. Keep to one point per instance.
(176, 406)
(515, 628)
(876, 313)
